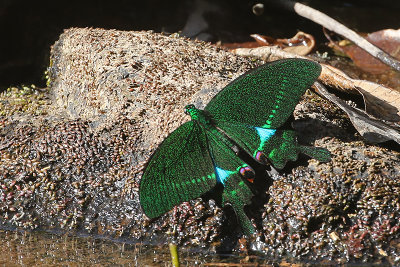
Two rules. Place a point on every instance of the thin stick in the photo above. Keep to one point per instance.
(174, 254)
(333, 25)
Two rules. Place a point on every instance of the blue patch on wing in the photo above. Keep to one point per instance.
(222, 175)
(264, 134)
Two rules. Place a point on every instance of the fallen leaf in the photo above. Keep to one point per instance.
(232, 46)
(375, 131)
(301, 44)
(263, 39)
(380, 101)
(387, 40)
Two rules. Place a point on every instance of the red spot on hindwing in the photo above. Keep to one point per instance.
(247, 173)
(260, 157)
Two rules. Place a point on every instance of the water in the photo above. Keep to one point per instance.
(46, 249)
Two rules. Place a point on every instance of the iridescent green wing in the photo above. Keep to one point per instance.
(231, 171)
(252, 107)
(180, 169)
(265, 96)
(271, 145)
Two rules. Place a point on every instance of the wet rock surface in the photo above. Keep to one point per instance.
(72, 156)
(348, 209)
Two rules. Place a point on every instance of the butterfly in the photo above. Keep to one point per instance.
(247, 113)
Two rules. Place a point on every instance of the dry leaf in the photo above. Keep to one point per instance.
(242, 45)
(301, 44)
(375, 131)
(380, 101)
(388, 40)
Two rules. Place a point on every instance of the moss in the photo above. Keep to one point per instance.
(23, 100)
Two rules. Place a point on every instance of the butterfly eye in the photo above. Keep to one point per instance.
(247, 173)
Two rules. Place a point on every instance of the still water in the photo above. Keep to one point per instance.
(46, 249)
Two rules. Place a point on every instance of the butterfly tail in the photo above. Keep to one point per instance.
(244, 221)
(318, 153)
(238, 195)
(283, 146)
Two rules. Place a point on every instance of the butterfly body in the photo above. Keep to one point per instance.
(247, 113)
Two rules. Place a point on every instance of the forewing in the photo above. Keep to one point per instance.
(265, 96)
(180, 169)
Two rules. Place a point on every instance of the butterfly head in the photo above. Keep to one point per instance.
(192, 111)
(198, 114)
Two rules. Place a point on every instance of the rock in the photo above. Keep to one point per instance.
(113, 97)
(72, 156)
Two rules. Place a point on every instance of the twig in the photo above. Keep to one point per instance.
(174, 255)
(333, 25)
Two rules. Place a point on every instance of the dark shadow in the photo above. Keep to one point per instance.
(392, 145)
(308, 130)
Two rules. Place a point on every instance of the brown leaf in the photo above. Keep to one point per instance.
(263, 39)
(388, 40)
(373, 130)
(241, 45)
(259, 40)
(380, 101)
(301, 44)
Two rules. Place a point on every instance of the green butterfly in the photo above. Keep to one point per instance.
(247, 113)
